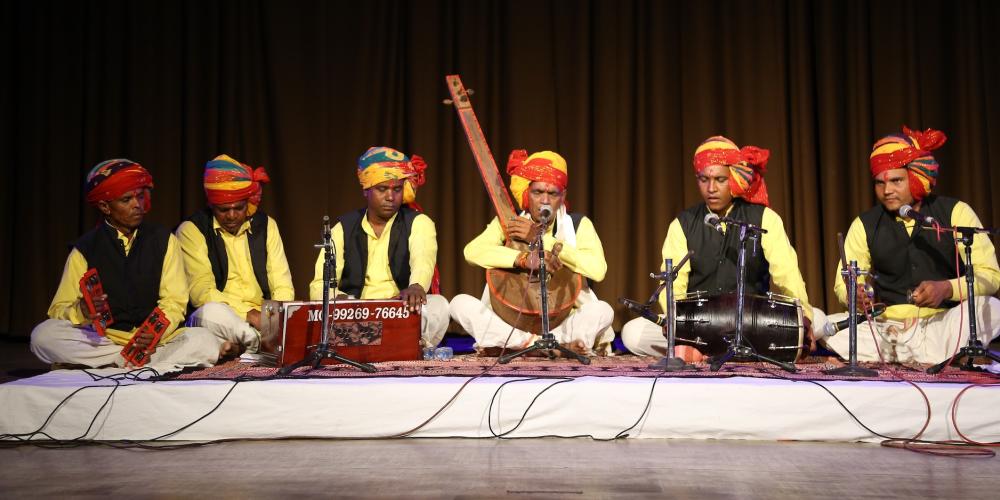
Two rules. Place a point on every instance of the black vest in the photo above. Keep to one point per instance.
(352, 278)
(714, 263)
(257, 239)
(131, 282)
(903, 260)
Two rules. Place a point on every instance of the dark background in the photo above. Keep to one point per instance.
(624, 90)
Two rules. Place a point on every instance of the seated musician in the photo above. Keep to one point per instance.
(538, 180)
(233, 255)
(732, 185)
(140, 268)
(915, 266)
(373, 264)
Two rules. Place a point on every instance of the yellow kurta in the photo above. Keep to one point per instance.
(586, 257)
(783, 262)
(173, 291)
(984, 260)
(378, 277)
(242, 292)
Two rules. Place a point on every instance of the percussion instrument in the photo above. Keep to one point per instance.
(772, 324)
(90, 287)
(362, 330)
(156, 323)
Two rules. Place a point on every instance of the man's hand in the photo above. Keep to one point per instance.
(865, 300)
(552, 262)
(143, 340)
(99, 302)
(522, 229)
(414, 296)
(253, 317)
(809, 338)
(931, 293)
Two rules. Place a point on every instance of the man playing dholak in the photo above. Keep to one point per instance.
(915, 266)
(731, 182)
(536, 180)
(233, 255)
(389, 249)
(140, 268)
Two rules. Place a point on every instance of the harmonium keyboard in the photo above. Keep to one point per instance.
(361, 330)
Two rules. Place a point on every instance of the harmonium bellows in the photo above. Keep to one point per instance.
(362, 330)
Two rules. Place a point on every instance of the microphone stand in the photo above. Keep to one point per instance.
(975, 348)
(323, 349)
(850, 273)
(737, 348)
(670, 362)
(548, 341)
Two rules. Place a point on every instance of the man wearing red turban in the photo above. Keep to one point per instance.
(233, 255)
(536, 180)
(140, 268)
(731, 182)
(915, 265)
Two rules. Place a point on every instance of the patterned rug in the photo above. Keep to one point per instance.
(617, 366)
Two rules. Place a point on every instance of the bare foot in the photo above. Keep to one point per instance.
(229, 350)
(688, 354)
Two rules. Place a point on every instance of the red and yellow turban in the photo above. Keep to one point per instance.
(229, 181)
(380, 164)
(111, 179)
(909, 150)
(747, 166)
(544, 166)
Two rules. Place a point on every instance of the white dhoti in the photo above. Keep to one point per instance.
(226, 325)
(434, 320)
(59, 341)
(919, 340)
(589, 322)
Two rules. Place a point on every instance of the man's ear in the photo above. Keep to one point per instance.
(104, 207)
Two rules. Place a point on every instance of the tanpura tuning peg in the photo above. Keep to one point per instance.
(447, 102)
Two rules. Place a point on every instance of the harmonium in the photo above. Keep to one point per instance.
(361, 330)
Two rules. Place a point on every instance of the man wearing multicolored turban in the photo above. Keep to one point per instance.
(140, 268)
(372, 261)
(731, 182)
(915, 264)
(570, 240)
(233, 255)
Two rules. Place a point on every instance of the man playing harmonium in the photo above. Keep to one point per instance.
(731, 183)
(389, 248)
(233, 255)
(569, 239)
(914, 265)
(140, 269)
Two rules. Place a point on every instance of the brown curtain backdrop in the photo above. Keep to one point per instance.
(625, 90)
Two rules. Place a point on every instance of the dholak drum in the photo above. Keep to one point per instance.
(772, 325)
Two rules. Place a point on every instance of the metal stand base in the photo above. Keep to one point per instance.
(852, 371)
(316, 359)
(744, 353)
(672, 364)
(546, 343)
(967, 353)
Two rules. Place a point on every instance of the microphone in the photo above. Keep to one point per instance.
(545, 212)
(910, 213)
(830, 329)
(713, 221)
(643, 311)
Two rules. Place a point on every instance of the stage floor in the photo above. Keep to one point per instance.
(613, 397)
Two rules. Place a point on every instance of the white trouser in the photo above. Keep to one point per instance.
(589, 322)
(434, 320)
(645, 338)
(59, 341)
(226, 325)
(925, 340)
